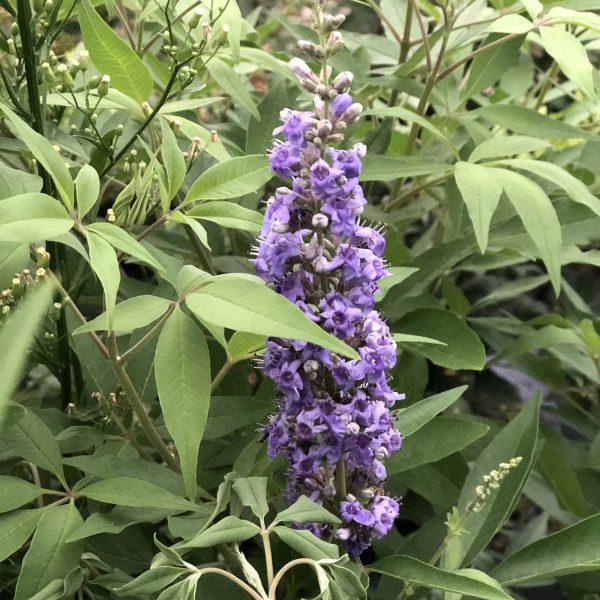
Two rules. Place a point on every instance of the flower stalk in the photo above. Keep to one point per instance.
(333, 421)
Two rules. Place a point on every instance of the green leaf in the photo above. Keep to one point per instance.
(118, 519)
(406, 338)
(45, 154)
(252, 492)
(228, 214)
(421, 574)
(106, 267)
(404, 114)
(227, 414)
(130, 314)
(463, 348)
(518, 438)
(231, 178)
(481, 193)
(561, 475)
(571, 56)
(196, 228)
(31, 439)
(127, 491)
(184, 590)
(13, 256)
(388, 168)
(15, 529)
(17, 333)
(247, 305)
(575, 188)
(242, 344)
(232, 84)
(435, 440)
(304, 510)
(507, 145)
(50, 556)
(125, 242)
(183, 380)
(307, 544)
(227, 531)
(511, 24)
(512, 289)
(112, 56)
(575, 549)
(87, 186)
(529, 122)
(15, 492)
(153, 580)
(259, 134)
(490, 65)
(14, 182)
(31, 217)
(172, 159)
(539, 218)
(412, 418)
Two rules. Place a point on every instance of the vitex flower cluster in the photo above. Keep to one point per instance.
(333, 421)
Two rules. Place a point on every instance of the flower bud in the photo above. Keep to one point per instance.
(42, 257)
(320, 221)
(310, 366)
(110, 215)
(298, 66)
(353, 112)
(47, 73)
(104, 86)
(334, 42)
(277, 227)
(195, 18)
(343, 533)
(84, 60)
(342, 81)
(40, 273)
(146, 109)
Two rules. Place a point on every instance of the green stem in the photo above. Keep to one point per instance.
(255, 595)
(137, 405)
(422, 107)
(552, 71)
(146, 338)
(221, 374)
(144, 125)
(284, 570)
(340, 479)
(473, 54)
(268, 553)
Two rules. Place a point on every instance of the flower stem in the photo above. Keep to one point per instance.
(340, 479)
(137, 404)
(268, 553)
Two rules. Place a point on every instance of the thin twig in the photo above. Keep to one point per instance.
(137, 405)
(424, 35)
(123, 18)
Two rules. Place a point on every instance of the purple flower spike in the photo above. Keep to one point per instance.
(333, 413)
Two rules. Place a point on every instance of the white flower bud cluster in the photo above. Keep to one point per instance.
(492, 482)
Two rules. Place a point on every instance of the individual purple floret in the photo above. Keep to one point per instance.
(333, 422)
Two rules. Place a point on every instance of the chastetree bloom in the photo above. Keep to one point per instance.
(333, 421)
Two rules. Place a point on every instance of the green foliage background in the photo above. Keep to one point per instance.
(129, 462)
